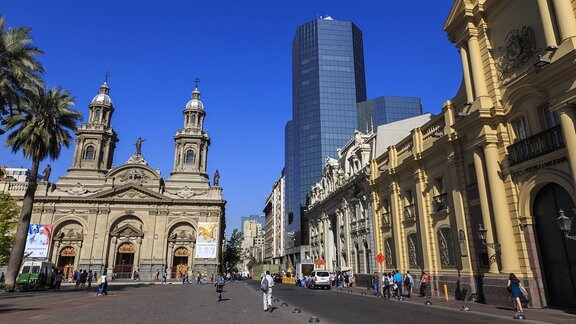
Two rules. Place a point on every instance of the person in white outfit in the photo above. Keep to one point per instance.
(267, 295)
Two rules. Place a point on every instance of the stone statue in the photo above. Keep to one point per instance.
(216, 178)
(46, 173)
(139, 145)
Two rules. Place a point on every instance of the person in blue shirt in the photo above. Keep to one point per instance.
(399, 280)
(219, 284)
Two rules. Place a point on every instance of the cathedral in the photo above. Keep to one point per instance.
(128, 218)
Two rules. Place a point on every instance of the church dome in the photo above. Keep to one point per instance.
(102, 98)
(195, 102)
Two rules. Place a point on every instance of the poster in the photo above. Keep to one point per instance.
(207, 240)
(38, 241)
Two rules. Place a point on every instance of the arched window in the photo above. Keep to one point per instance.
(89, 153)
(97, 115)
(389, 253)
(446, 246)
(190, 157)
(413, 251)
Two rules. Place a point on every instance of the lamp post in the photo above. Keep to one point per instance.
(482, 236)
(565, 225)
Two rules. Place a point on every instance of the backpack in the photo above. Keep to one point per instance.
(407, 281)
(264, 285)
(386, 282)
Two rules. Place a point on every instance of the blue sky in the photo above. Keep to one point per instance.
(241, 51)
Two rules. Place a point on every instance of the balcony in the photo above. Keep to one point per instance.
(386, 220)
(537, 145)
(410, 212)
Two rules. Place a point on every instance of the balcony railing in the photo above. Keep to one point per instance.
(537, 145)
(440, 202)
(410, 212)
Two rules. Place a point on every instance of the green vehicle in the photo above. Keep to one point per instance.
(32, 271)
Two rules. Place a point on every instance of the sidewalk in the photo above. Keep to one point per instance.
(547, 315)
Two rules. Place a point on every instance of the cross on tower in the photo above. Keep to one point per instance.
(106, 75)
(196, 81)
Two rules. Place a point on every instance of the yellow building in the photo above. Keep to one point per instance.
(501, 156)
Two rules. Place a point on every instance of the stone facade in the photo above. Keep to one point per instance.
(501, 155)
(126, 218)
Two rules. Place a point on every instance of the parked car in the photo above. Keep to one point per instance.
(319, 279)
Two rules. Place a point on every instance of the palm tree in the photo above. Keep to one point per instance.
(39, 130)
(19, 69)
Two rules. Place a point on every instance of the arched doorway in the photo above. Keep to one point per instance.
(180, 262)
(66, 261)
(124, 261)
(558, 255)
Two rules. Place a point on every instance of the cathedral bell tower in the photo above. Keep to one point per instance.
(191, 146)
(96, 140)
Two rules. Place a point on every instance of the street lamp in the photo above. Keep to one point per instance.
(482, 236)
(565, 224)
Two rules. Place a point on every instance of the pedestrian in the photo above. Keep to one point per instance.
(58, 279)
(340, 281)
(516, 289)
(266, 285)
(219, 284)
(398, 280)
(375, 279)
(408, 283)
(90, 279)
(346, 280)
(164, 276)
(387, 284)
(77, 275)
(157, 275)
(198, 277)
(102, 286)
(83, 278)
(424, 285)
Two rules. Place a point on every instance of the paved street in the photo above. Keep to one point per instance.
(130, 302)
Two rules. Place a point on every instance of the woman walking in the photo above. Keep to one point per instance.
(516, 289)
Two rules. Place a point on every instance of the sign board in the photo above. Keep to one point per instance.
(38, 240)
(206, 241)
(320, 262)
(380, 258)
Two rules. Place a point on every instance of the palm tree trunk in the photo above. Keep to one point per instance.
(17, 253)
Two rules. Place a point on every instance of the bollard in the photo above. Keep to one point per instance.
(465, 308)
(276, 300)
(314, 320)
(284, 305)
(519, 316)
(428, 302)
(297, 310)
(446, 291)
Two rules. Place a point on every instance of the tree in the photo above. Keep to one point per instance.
(19, 69)
(39, 130)
(8, 220)
(233, 253)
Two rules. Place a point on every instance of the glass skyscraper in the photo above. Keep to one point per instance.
(386, 109)
(327, 83)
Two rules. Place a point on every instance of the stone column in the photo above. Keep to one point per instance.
(503, 222)
(112, 256)
(485, 207)
(565, 18)
(567, 116)
(466, 73)
(545, 17)
(478, 77)
(396, 218)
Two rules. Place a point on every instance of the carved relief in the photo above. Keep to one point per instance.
(519, 48)
(133, 176)
(77, 190)
(187, 193)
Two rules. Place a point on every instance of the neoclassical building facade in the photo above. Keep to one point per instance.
(339, 216)
(499, 161)
(126, 218)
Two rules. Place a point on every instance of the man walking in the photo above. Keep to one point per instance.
(408, 283)
(266, 285)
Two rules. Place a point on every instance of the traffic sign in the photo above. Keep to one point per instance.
(380, 258)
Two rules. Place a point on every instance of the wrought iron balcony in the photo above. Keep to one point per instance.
(410, 212)
(440, 202)
(537, 145)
